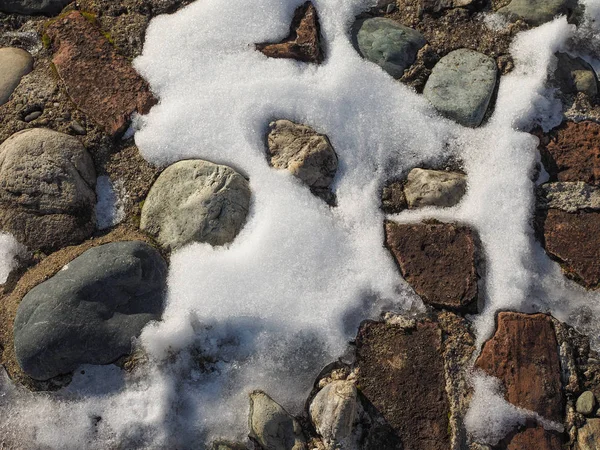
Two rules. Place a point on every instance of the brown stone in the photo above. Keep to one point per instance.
(523, 354)
(574, 239)
(573, 153)
(401, 372)
(437, 260)
(303, 42)
(102, 83)
(535, 438)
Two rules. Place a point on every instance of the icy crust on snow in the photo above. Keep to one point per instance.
(269, 310)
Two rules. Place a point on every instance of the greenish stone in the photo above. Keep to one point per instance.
(575, 75)
(537, 12)
(586, 403)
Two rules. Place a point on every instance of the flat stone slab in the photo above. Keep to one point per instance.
(401, 372)
(574, 240)
(89, 312)
(29, 7)
(537, 12)
(461, 86)
(523, 354)
(573, 153)
(588, 436)
(102, 83)
(438, 261)
(14, 64)
(387, 43)
(569, 196)
(304, 40)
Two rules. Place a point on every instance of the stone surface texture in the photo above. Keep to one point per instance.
(569, 196)
(434, 188)
(437, 260)
(535, 438)
(537, 12)
(272, 426)
(196, 201)
(523, 354)
(387, 43)
(49, 7)
(461, 86)
(574, 74)
(303, 42)
(102, 83)
(588, 436)
(47, 196)
(89, 312)
(14, 64)
(586, 403)
(393, 199)
(334, 410)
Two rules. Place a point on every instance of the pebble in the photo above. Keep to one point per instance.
(586, 403)
(32, 116)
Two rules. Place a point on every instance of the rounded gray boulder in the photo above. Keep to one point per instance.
(89, 312)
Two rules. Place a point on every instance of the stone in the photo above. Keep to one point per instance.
(89, 311)
(401, 373)
(461, 86)
(272, 426)
(226, 445)
(47, 196)
(537, 12)
(574, 240)
(393, 199)
(29, 7)
(305, 153)
(588, 436)
(575, 75)
(438, 261)
(32, 116)
(535, 438)
(573, 153)
(569, 196)
(334, 410)
(388, 44)
(523, 354)
(436, 6)
(304, 41)
(196, 201)
(15, 63)
(101, 83)
(586, 403)
(434, 188)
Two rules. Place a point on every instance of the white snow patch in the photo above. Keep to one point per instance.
(10, 249)
(110, 209)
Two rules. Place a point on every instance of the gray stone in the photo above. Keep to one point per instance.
(570, 196)
(388, 44)
(588, 436)
(272, 426)
(48, 7)
(333, 412)
(434, 188)
(47, 196)
(89, 311)
(537, 12)
(196, 201)
(575, 75)
(14, 64)
(586, 403)
(307, 154)
(226, 445)
(32, 116)
(435, 6)
(461, 85)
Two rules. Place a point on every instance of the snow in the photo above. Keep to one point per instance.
(10, 249)
(109, 209)
(271, 309)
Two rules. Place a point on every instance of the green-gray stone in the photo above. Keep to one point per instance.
(586, 403)
(575, 75)
(461, 85)
(385, 42)
(537, 12)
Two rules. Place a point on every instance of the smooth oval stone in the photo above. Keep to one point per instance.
(461, 85)
(537, 12)
(30, 7)
(14, 64)
(388, 44)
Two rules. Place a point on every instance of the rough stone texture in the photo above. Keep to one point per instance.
(333, 411)
(393, 199)
(14, 64)
(573, 153)
(574, 240)
(537, 12)
(226, 445)
(196, 201)
(461, 86)
(434, 188)
(586, 403)
(437, 260)
(47, 196)
(303, 42)
(588, 436)
(307, 154)
(523, 354)
(102, 83)
(535, 438)
(272, 426)
(569, 196)
(575, 75)
(387, 43)
(50, 7)
(401, 372)
(435, 6)
(89, 311)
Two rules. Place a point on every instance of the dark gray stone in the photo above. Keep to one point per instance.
(89, 312)
(537, 12)
(48, 7)
(385, 42)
